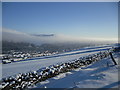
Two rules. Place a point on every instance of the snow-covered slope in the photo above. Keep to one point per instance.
(102, 74)
(99, 72)
(37, 63)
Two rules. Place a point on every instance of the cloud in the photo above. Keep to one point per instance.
(12, 35)
(16, 36)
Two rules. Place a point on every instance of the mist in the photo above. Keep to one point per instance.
(15, 36)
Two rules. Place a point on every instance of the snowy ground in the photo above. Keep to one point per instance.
(35, 64)
(101, 74)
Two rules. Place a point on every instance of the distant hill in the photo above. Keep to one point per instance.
(19, 41)
(30, 47)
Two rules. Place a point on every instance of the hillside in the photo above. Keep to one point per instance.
(102, 74)
(7, 46)
(90, 67)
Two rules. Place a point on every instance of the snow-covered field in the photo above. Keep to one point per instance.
(101, 74)
(35, 64)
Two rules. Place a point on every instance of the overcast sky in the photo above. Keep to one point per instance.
(79, 19)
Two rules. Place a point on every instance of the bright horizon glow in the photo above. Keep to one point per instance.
(95, 20)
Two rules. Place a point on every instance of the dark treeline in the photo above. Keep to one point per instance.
(17, 46)
(29, 47)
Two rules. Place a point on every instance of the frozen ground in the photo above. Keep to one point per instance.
(101, 74)
(37, 63)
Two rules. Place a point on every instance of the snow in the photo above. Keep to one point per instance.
(32, 65)
(101, 74)
(44, 82)
(60, 76)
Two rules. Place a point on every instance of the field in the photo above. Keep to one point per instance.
(37, 63)
(100, 74)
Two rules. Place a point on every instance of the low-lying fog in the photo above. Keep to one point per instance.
(15, 36)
